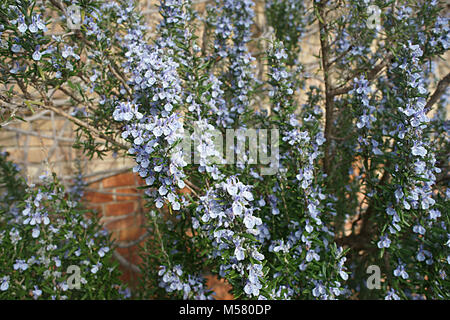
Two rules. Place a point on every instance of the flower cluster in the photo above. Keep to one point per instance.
(226, 216)
(158, 92)
(233, 22)
(288, 18)
(192, 287)
(45, 238)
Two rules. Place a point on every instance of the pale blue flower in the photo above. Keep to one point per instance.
(22, 27)
(20, 265)
(319, 289)
(239, 253)
(399, 194)
(35, 233)
(418, 150)
(36, 292)
(434, 214)
(103, 251)
(312, 255)
(95, 268)
(419, 229)
(4, 283)
(384, 242)
(392, 295)
(37, 55)
(16, 48)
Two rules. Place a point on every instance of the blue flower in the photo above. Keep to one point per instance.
(40, 24)
(419, 150)
(36, 292)
(95, 268)
(4, 283)
(400, 271)
(384, 242)
(103, 251)
(20, 265)
(319, 290)
(434, 214)
(37, 55)
(392, 295)
(252, 288)
(419, 229)
(22, 27)
(16, 48)
(312, 255)
(239, 253)
(35, 233)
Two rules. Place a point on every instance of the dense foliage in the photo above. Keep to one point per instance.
(358, 169)
(47, 242)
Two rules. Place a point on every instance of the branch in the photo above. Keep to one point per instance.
(127, 244)
(361, 240)
(191, 187)
(370, 76)
(125, 262)
(80, 123)
(440, 90)
(115, 72)
(58, 4)
(339, 57)
(32, 133)
(329, 99)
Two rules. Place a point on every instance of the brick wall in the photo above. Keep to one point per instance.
(119, 205)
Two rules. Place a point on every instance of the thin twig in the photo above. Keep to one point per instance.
(125, 262)
(80, 123)
(128, 244)
(440, 90)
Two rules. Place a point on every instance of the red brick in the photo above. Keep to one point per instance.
(131, 233)
(126, 275)
(139, 180)
(95, 185)
(98, 197)
(120, 180)
(124, 252)
(122, 223)
(134, 194)
(114, 234)
(134, 256)
(120, 208)
(131, 254)
(92, 214)
(98, 209)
